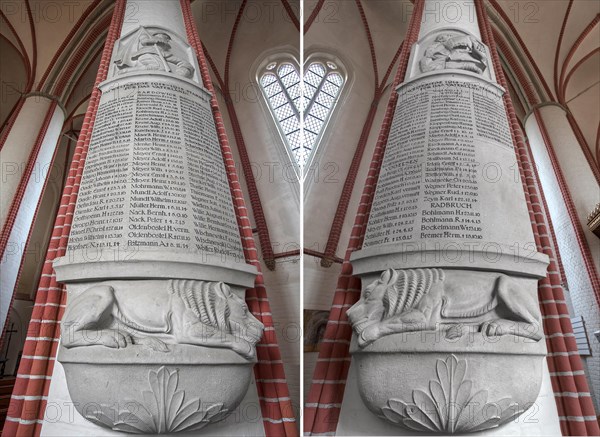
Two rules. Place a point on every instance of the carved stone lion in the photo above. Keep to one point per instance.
(419, 300)
(189, 312)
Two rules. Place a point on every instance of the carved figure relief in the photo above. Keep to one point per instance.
(450, 51)
(189, 312)
(421, 300)
(449, 405)
(152, 51)
(159, 410)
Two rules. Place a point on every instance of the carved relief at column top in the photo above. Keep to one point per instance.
(153, 49)
(448, 50)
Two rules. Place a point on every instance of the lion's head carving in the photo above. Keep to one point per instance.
(218, 307)
(395, 292)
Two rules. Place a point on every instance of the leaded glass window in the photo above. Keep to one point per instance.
(280, 82)
(322, 85)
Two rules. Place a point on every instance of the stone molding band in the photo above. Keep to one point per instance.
(370, 260)
(147, 266)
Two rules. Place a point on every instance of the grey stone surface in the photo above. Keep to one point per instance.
(62, 419)
(154, 178)
(454, 51)
(356, 420)
(155, 49)
(156, 337)
(455, 302)
(449, 174)
(158, 315)
(448, 329)
(448, 393)
(133, 391)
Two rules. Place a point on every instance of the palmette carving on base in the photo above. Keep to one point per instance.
(162, 409)
(186, 312)
(450, 404)
(423, 300)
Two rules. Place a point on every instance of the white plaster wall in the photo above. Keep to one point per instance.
(319, 283)
(14, 252)
(583, 100)
(583, 187)
(580, 289)
(15, 153)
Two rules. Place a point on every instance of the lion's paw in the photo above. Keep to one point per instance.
(495, 328)
(114, 339)
(368, 336)
(153, 343)
(244, 348)
(454, 332)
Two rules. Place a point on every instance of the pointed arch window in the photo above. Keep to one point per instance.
(280, 84)
(323, 83)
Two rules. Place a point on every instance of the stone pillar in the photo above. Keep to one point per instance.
(570, 161)
(156, 336)
(25, 159)
(563, 169)
(448, 331)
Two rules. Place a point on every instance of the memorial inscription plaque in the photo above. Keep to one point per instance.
(438, 170)
(155, 180)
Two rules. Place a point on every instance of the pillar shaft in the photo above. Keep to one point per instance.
(29, 397)
(153, 261)
(566, 179)
(561, 157)
(26, 160)
(329, 384)
(575, 409)
(449, 265)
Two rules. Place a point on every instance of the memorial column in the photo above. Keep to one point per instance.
(448, 331)
(155, 267)
(156, 336)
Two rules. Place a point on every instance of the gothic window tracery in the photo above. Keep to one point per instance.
(322, 84)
